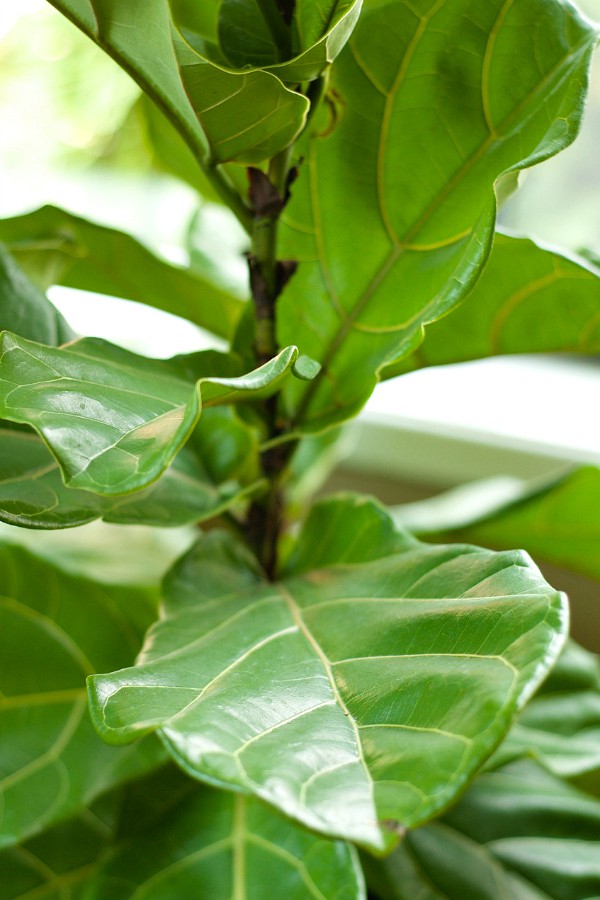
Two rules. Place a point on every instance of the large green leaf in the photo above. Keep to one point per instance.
(223, 115)
(528, 300)
(518, 834)
(25, 309)
(57, 247)
(395, 219)
(55, 630)
(324, 692)
(115, 420)
(174, 839)
(218, 845)
(557, 521)
(33, 494)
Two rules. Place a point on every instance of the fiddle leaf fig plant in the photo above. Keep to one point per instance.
(310, 679)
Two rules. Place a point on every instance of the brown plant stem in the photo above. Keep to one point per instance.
(268, 276)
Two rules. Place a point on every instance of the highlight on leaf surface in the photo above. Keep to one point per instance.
(324, 692)
(115, 420)
(34, 495)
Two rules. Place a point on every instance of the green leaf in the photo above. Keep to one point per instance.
(33, 494)
(218, 845)
(25, 309)
(174, 839)
(244, 35)
(57, 864)
(519, 833)
(313, 19)
(315, 39)
(168, 150)
(560, 726)
(528, 300)
(395, 221)
(320, 48)
(71, 251)
(558, 522)
(247, 117)
(53, 764)
(115, 420)
(324, 692)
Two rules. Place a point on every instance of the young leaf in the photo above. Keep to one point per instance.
(244, 34)
(305, 50)
(313, 19)
(247, 117)
(25, 309)
(33, 494)
(53, 764)
(115, 420)
(395, 221)
(314, 59)
(324, 692)
(519, 833)
(528, 300)
(65, 249)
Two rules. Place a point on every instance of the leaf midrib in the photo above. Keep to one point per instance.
(400, 247)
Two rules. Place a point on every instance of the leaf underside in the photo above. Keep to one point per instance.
(394, 221)
(528, 300)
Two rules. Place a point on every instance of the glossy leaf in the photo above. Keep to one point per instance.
(25, 309)
(518, 834)
(324, 692)
(528, 300)
(55, 630)
(395, 219)
(33, 494)
(247, 117)
(558, 522)
(57, 247)
(115, 420)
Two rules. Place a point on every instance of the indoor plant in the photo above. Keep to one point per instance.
(344, 681)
